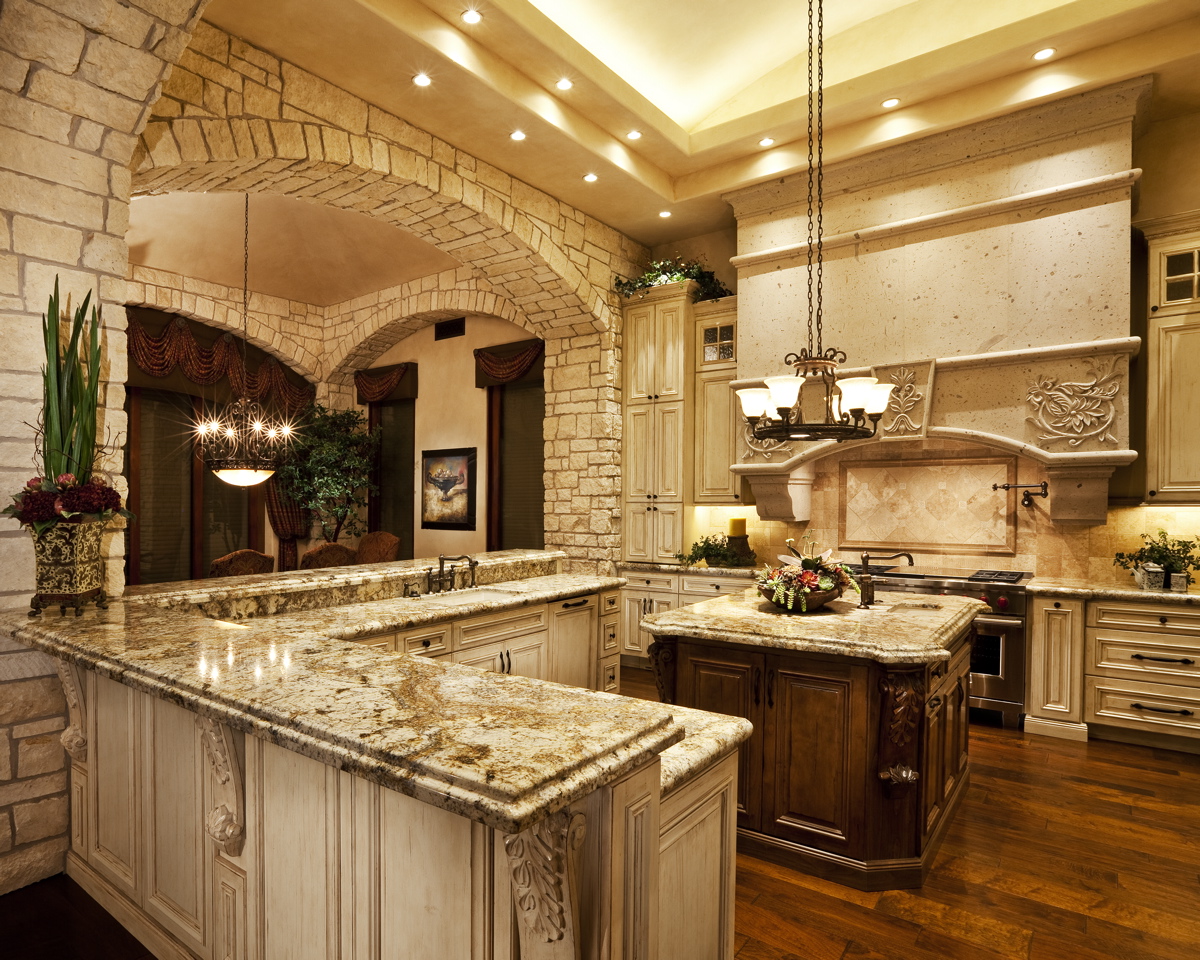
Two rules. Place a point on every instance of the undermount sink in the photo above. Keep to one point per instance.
(458, 598)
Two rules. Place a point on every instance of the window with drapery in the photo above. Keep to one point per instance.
(390, 393)
(186, 517)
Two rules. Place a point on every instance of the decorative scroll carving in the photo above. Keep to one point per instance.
(1077, 411)
(904, 400)
(903, 703)
(544, 865)
(73, 739)
(662, 659)
(226, 820)
(764, 448)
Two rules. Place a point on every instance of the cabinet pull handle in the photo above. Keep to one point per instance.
(509, 668)
(934, 703)
(757, 674)
(1142, 706)
(1143, 656)
(577, 603)
(771, 688)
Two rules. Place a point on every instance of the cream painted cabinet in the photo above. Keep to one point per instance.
(653, 533)
(716, 417)
(1173, 410)
(1054, 705)
(573, 641)
(656, 344)
(643, 595)
(519, 656)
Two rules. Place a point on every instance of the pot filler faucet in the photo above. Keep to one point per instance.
(866, 582)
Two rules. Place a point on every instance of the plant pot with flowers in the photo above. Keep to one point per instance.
(66, 508)
(805, 581)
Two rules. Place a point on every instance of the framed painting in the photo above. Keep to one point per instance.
(448, 489)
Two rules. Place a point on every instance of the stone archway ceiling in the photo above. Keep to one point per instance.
(313, 253)
(705, 82)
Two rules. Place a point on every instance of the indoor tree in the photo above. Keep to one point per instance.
(328, 468)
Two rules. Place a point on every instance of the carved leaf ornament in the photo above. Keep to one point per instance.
(904, 399)
(538, 859)
(1077, 411)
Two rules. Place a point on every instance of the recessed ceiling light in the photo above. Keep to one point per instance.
(517, 135)
(633, 135)
(1045, 54)
(422, 80)
(590, 177)
(564, 84)
(664, 213)
(766, 142)
(472, 16)
(890, 102)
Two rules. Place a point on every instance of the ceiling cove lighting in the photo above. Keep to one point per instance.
(422, 80)
(846, 405)
(634, 135)
(590, 177)
(890, 102)
(767, 142)
(471, 16)
(517, 135)
(240, 444)
(564, 84)
(1045, 53)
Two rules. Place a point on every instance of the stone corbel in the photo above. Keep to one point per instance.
(226, 819)
(900, 717)
(783, 496)
(545, 868)
(74, 738)
(1079, 494)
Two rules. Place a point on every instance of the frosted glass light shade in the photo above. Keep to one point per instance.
(784, 390)
(880, 394)
(755, 402)
(856, 392)
(241, 477)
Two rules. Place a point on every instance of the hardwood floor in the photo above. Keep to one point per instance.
(1061, 851)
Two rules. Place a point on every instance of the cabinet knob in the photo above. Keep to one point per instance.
(1057, 604)
(1154, 493)
(1162, 619)
(424, 643)
(655, 509)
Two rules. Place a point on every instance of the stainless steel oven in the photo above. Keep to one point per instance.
(999, 652)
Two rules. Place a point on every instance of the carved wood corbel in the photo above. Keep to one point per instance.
(662, 659)
(226, 819)
(74, 738)
(900, 716)
(544, 863)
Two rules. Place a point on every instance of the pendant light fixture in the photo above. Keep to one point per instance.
(850, 408)
(240, 443)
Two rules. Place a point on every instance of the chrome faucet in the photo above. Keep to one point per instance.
(866, 582)
(445, 579)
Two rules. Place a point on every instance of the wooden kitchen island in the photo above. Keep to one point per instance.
(859, 754)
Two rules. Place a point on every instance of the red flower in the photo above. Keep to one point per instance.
(809, 578)
(36, 506)
(90, 498)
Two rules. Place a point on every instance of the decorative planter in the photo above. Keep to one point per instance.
(1179, 583)
(814, 600)
(1149, 576)
(70, 570)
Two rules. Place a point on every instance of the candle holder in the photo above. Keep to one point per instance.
(740, 548)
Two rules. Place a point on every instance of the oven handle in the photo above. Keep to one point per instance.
(994, 620)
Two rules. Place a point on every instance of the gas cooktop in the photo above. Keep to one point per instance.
(905, 572)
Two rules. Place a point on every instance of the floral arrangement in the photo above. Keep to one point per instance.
(66, 435)
(675, 270)
(1173, 554)
(803, 574)
(43, 502)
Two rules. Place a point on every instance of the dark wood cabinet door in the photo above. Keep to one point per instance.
(730, 681)
(936, 737)
(815, 769)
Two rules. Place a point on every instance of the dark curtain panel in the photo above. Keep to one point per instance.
(392, 508)
(521, 461)
(162, 483)
(225, 516)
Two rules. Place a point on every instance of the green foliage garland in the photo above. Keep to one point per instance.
(675, 270)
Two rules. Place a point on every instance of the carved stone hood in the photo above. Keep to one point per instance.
(1064, 406)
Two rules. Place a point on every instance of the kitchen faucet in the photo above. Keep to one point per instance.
(445, 579)
(866, 582)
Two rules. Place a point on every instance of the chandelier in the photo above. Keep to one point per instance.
(240, 444)
(848, 408)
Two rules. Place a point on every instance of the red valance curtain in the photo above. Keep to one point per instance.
(507, 362)
(177, 346)
(289, 520)
(375, 386)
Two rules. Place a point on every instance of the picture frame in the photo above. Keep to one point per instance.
(448, 488)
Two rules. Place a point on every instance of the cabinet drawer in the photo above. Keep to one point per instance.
(701, 588)
(380, 641)
(610, 639)
(499, 626)
(942, 674)
(426, 642)
(610, 603)
(1136, 704)
(642, 582)
(610, 674)
(1153, 617)
(1159, 657)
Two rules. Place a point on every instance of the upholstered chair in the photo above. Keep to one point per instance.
(378, 546)
(327, 555)
(241, 563)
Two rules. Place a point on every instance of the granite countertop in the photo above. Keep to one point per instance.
(1089, 590)
(636, 567)
(708, 737)
(899, 628)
